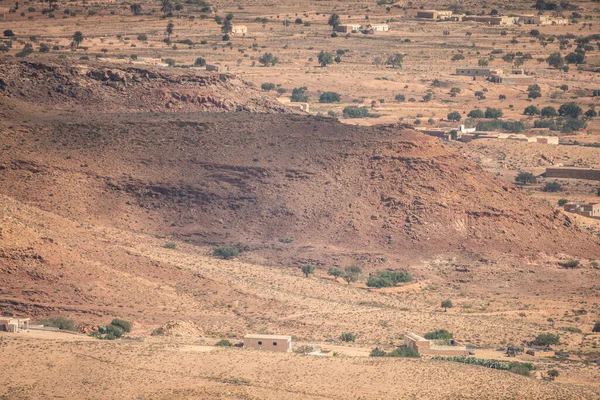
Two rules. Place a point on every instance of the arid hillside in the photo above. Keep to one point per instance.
(279, 186)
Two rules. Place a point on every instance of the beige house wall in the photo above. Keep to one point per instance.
(270, 343)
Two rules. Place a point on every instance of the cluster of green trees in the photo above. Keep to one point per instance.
(115, 330)
(388, 278)
(570, 117)
(488, 113)
(356, 112)
(225, 252)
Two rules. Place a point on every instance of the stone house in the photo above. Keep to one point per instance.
(281, 343)
(12, 324)
(348, 28)
(428, 347)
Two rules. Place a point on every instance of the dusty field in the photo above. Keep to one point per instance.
(165, 369)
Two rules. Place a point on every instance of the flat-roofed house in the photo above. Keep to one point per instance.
(13, 324)
(379, 27)
(347, 28)
(282, 343)
(239, 30)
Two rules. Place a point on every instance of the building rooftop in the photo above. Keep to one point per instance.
(258, 336)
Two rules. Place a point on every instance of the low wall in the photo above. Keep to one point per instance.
(573, 173)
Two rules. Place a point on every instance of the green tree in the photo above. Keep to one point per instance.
(78, 38)
(329, 97)
(596, 327)
(483, 62)
(335, 272)
(570, 110)
(308, 269)
(531, 110)
(525, 178)
(299, 95)
(325, 58)
(169, 29)
(549, 112)
(351, 273)
(534, 91)
(493, 113)
(334, 20)
(477, 113)
(575, 58)
(556, 60)
(267, 86)
(135, 8)
(167, 7)
(226, 27)
(446, 304)
(9, 33)
(591, 113)
(200, 62)
(454, 116)
(553, 187)
(395, 60)
(400, 97)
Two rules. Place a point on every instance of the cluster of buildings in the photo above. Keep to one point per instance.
(353, 28)
(468, 134)
(492, 19)
(590, 210)
(514, 78)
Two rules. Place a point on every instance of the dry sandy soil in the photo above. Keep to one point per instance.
(117, 180)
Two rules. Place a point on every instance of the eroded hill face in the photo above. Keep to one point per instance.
(288, 188)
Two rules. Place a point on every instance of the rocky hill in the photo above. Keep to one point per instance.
(288, 188)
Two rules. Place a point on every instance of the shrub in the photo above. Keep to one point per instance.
(355, 112)
(404, 352)
(400, 97)
(299, 95)
(225, 253)
(553, 373)
(124, 325)
(553, 187)
(596, 327)
(440, 334)
(27, 50)
(388, 278)
(546, 339)
(377, 352)
(329, 97)
(170, 245)
(200, 62)
(267, 86)
(61, 323)
(9, 33)
(268, 59)
(223, 343)
(170, 62)
(114, 331)
(562, 202)
(523, 369)
(44, 48)
(571, 264)
(348, 337)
